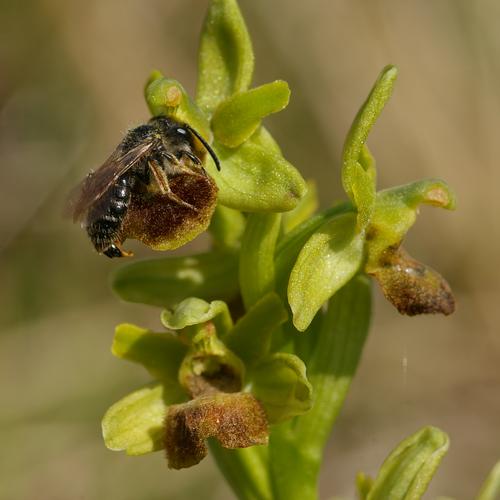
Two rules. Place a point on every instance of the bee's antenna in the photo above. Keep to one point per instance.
(206, 145)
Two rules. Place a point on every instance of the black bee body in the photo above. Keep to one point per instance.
(105, 220)
(157, 151)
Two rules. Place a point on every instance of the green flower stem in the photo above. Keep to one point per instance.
(245, 470)
(330, 370)
(257, 256)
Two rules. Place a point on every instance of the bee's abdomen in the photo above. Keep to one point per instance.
(105, 220)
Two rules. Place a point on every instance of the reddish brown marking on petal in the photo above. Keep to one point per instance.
(236, 420)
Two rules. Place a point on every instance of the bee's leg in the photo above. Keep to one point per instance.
(115, 250)
(162, 182)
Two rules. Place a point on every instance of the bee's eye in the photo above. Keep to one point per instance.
(182, 131)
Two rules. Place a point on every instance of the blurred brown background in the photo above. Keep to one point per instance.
(71, 78)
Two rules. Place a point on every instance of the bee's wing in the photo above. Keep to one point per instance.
(97, 183)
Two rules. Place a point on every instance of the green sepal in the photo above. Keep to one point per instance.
(408, 470)
(303, 211)
(256, 272)
(329, 259)
(396, 211)
(239, 116)
(358, 168)
(279, 382)
(256, 178)
(490, 490)
(289, 247)
(160, 353)
(167, 281)
(193, 311)
(135, 424)
(250, 338)
(167, 97)
(225, 57)
(227, 227)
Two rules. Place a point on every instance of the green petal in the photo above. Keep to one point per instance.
(225, 59)
(167, 97)
(358, 169)
(250, 338)
(194, 311)
(239, 116)
(396, 211)
(255, 178)
(490, 489)
(304, 210)
(280, 384)
(167, 281)
(329, 259)
(135, 424)
(160, 353)
(227, 227)
(408, 470)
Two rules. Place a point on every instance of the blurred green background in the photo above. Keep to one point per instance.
(71, 79)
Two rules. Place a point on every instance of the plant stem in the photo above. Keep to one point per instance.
(296, 448)
(245, 470)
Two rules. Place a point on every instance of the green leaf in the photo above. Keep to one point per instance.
(490, 490)
(329, 259)
(135, 424)
(396, 211)
(408, 470)
(160, 353)
(227, 227)
(239, 116)
(225, 59)
(250, 338)
(167, 97)
(358, 170)
(303, 211)
(257, 256)
(167, 281)
(194, 311)
(255, 178)
(279, 382)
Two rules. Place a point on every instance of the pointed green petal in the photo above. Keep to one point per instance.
(160, 353)
(194, 311)
(239, 116)
(167, 281)
(135, 424)
(329, 259)
(225, 60)
(279, 382)
(408, 470)
(358, 167)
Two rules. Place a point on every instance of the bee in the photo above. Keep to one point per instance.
(152, 187)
